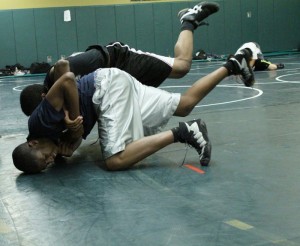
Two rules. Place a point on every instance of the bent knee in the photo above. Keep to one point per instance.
(61, 62)
(185, 107)
(183, 112)
(114, 163)
(180, 68)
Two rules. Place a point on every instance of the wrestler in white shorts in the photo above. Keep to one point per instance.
(128, 110)
(254, 47)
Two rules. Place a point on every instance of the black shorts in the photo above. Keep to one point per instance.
(145, 67)
(94, 57)
(261, 65)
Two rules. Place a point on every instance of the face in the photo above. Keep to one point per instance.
(45, 151)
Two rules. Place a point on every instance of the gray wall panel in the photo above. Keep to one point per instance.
(31, 35)
(249, 23)
(163, 27)
(67, 39)
(233, 26)
(86, 27)
(7, 39)
(266, 27)
(125, 24)
(106, 24)
(24, 26)
(45, 27)
(144, 19)
(216, 31)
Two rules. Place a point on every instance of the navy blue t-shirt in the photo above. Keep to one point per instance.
(46, 122)
(86, 89)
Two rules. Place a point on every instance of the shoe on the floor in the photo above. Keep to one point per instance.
(280, 66)
(194, 133)
(240, 66)
(197, 14)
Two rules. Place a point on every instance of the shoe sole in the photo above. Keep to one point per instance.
(247, 60)
(213, 8)
(207, 148)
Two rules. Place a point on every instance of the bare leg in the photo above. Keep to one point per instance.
(272, 66)
(183, 51)
(199, 90)
(139, 150)
(142, 148)
(252, 62)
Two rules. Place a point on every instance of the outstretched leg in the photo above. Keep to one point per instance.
(193, 133)
(139, 150)
(237, 65)
(183, 50)
(199, 90)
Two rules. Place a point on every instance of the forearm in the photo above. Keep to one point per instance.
(67, 149)
(71, 98)
(72, 136)
(64, 95)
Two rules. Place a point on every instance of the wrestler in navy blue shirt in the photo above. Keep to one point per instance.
(46, 122)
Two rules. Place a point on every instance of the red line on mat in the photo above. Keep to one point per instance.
(196, 169)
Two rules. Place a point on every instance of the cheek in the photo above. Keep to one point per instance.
(43, 166)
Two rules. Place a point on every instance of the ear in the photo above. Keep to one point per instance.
(43, 95)
(32, 143)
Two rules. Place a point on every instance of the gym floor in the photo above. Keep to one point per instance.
(249, 195)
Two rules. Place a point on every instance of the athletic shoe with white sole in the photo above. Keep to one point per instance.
(280, 66)
(198, 13)
(239, 65)
(194, 133)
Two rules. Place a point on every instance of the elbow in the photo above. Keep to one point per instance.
(61, 63)
(69, 76)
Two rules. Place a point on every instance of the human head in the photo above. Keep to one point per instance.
(34, 156)
(30, 97)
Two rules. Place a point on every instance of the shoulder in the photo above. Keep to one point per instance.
(46, 111)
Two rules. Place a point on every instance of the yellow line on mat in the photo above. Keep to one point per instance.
(269, 237)
(4, 228)
(239, 224)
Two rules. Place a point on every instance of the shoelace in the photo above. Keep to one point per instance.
(187, 147)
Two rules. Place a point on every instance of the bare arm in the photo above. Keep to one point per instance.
(67, 149)
(63, 95)
(60, 67)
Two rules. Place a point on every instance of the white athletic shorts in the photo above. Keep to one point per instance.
(254, 47)
(128, 110)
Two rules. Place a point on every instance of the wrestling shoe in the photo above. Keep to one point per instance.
(197, 14)
(280, 66)
(194, 133)
(239, 65)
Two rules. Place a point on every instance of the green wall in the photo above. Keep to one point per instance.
(30, 35)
